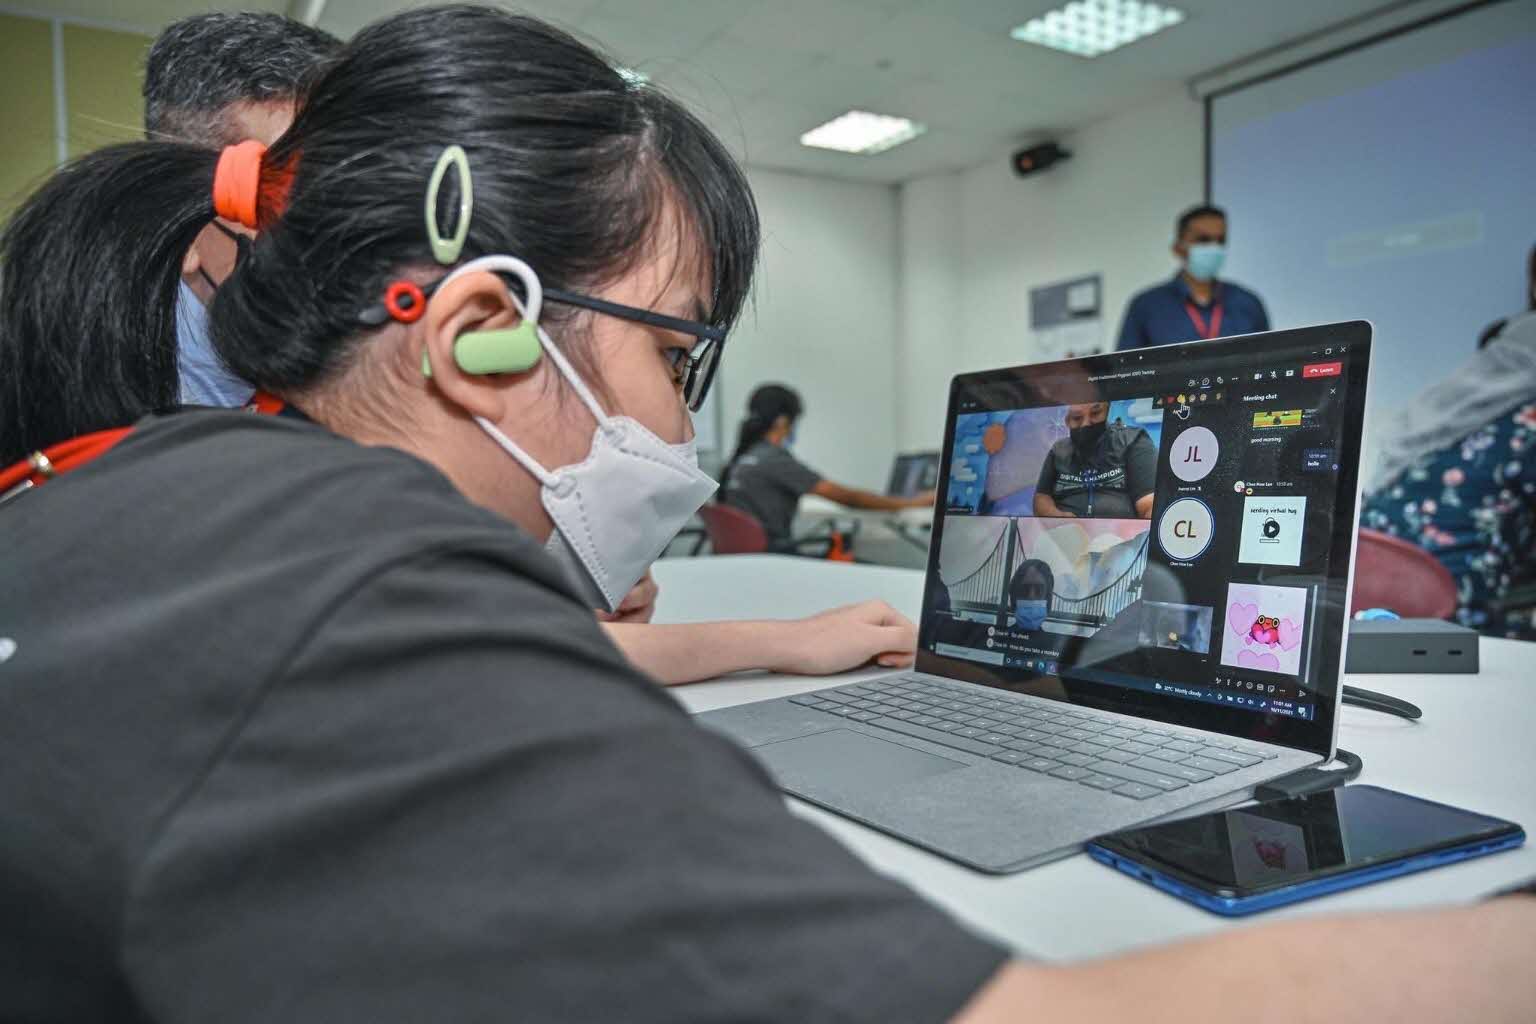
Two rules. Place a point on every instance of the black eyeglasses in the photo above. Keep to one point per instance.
(697, 366)
(695, 369)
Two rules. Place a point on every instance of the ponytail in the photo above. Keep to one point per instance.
(574, 170)
(767, 404)
(89, 271)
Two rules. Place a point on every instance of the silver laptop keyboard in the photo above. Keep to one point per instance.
(1114, 754)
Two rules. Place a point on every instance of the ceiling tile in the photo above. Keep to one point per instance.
(994, 17)
(733, 69)
(835, 87)
(809, 26)
(641, 40)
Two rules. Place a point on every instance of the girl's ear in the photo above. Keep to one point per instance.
(477, 301)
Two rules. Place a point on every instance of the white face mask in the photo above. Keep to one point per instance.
(615, 511)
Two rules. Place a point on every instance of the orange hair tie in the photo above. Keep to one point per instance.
(237, 182)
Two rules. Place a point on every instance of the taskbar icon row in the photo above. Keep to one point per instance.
(1247, 701)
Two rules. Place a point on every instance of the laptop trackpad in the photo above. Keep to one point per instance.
(850, 758)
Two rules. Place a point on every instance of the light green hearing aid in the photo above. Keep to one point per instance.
(499, 350)
(503, 350)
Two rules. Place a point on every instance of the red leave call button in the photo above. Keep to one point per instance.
(1322, 370)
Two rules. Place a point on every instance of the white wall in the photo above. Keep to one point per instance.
(870, 298)
(929, 307)
(975, 242)
(824, 321)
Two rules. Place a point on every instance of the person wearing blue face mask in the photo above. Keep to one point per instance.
(1197, 304)
(1030, 593)
(212, 80)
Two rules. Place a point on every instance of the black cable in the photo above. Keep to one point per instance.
(1312, 780)
(1383, 702)
(1317, 780)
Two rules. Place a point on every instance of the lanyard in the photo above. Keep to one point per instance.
(56, 460)
(1207, 332)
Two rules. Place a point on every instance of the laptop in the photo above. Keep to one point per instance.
(1134, 607)
(913, 473)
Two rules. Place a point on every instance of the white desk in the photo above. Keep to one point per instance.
(1473, 748)
(898, 538)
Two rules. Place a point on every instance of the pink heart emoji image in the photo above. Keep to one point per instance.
(1290, 635)
(1266, 661)
(1240, 617)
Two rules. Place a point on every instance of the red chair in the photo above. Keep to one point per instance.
(1395, 574)
(732, 531)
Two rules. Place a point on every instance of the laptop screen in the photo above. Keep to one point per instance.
(1166, 532)
(913, 473)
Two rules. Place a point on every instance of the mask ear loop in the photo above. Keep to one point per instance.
(447, 250)
(530, 308)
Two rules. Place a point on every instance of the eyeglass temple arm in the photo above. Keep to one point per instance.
(637, 314)
(377, 314)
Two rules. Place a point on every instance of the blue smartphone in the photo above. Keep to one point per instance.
(1268, 855)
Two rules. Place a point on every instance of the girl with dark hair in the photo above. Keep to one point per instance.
(766, 481)
(487, 280)
(587, 179)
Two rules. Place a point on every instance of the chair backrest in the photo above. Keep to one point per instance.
(732, 531)
(1395, 574)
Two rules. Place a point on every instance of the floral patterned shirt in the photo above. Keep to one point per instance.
(1473, 506)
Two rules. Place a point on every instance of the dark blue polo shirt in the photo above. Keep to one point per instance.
(1158, 316)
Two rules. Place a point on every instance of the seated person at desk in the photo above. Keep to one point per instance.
(351, 723)
(1103, 470)
(1457, 476)
(765, 480)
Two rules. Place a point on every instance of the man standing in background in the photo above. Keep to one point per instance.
(214, 80)
(1196, 304)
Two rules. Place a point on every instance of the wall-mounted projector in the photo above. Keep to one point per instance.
(1038, 158)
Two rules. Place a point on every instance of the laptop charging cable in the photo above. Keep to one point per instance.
(1312, 780)
(1383, 702)
(1370, 699)
(1318, 780)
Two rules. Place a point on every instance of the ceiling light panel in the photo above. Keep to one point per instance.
(861, 132)
(1089, 28)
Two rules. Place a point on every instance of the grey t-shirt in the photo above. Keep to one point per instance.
(291, 731)
(1107, 483)
(768, 482)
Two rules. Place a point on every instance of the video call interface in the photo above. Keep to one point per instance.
(1172, 536)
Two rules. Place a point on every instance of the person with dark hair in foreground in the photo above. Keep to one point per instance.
(765, 480)
(348, 744)
(1197, 303)
(214, 80)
